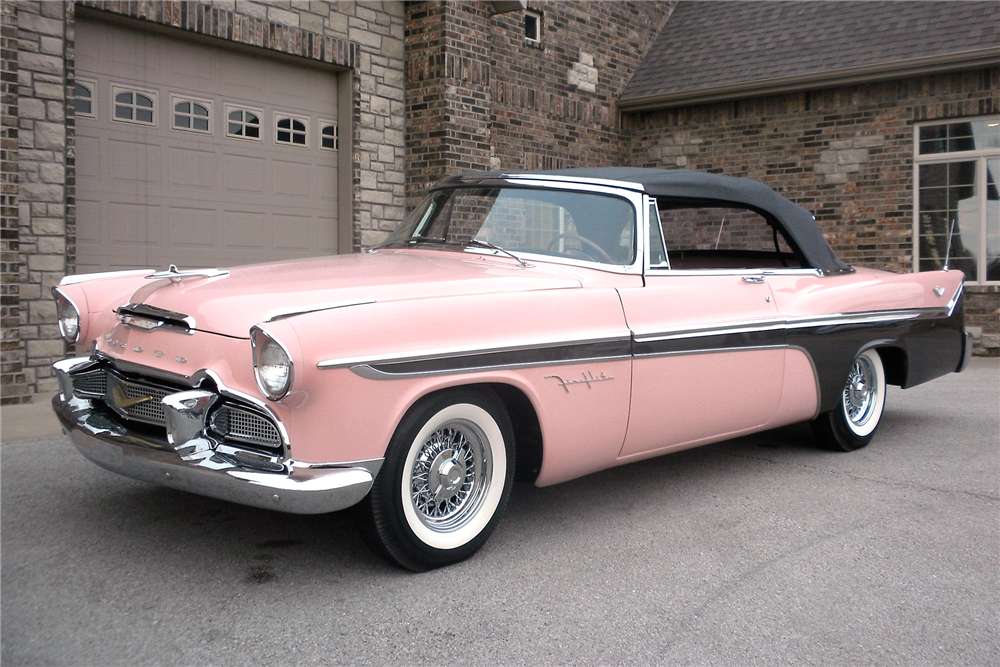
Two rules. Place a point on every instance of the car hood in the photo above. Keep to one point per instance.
(230, 304)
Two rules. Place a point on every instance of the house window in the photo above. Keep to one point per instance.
(957, 219)
(134, 106)
(243, 123)
(85, 103)
(289, 130)
(191, 116)
(533, 26)
(329, 136)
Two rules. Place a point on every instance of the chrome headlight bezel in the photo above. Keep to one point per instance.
(67, 317)
(269, 353)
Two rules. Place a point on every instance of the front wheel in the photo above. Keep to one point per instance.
(851, 425)
(445, 481)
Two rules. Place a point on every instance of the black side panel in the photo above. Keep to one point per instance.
(933, 347)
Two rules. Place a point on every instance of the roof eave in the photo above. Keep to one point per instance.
(853, 75)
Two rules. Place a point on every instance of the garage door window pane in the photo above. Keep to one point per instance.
(290, 131)
(190, 115)
(243, 123)
(329, 138)
(134, 106)
(84, 103)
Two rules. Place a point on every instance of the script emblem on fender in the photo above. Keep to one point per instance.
(586, 378)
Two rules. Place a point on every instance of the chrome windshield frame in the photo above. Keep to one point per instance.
(635, 198)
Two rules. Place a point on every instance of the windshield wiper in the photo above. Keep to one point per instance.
(477, 243)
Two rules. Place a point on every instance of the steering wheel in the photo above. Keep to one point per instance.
(583, 241)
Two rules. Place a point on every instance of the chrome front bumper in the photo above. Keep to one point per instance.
(185, 461)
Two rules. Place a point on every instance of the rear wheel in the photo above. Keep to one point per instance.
(445, 481)
(851, 425)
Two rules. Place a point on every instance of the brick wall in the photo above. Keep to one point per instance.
(38, 224)
(12, 385)
(554, 103)
(448, 108)
(481, 96)
(846, 154)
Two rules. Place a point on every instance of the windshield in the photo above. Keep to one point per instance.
(578, 225)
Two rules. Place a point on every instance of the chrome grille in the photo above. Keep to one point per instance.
(149, 411)
(93, 384)
(245, 426)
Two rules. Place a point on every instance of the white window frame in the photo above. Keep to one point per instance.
(92, 85)
(282, 115)
(979, 156)
(322, 123)
(538, 27)
(176, 99)
(229, 108)
(116, 89)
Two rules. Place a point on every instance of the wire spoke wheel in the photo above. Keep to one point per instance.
(450, 476)
(445, 481)
(852, 424)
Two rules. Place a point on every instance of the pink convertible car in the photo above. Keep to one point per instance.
(539, 325)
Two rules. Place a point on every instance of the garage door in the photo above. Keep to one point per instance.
(198, 156)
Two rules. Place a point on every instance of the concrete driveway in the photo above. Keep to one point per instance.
(762, 550)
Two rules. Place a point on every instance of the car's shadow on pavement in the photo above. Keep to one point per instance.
(256, 547)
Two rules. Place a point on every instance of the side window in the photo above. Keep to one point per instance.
(243, 123)
(290, 130)
(329, 135)
(191, 115)
(657, 253)
(85, 104)
(134, 106)
(723, 237)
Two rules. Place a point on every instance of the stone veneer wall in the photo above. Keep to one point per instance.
(38, 241)
(846, 154)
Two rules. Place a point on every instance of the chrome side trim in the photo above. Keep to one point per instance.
(713, 350)
(283, 313)
(784, 323)
(369, 372)
(447, 353)
(86, 277)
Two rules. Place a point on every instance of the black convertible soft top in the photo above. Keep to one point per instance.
(797, 222)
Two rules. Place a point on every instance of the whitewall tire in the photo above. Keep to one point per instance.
(445, 481)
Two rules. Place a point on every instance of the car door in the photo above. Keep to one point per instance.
(708, 345)
(706, 362)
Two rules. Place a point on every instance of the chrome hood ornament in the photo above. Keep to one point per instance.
(174, 275)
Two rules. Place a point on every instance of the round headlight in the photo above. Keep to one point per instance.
(272, 366)
(68, 318)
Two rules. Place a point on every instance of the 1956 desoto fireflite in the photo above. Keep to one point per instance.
(541, 325)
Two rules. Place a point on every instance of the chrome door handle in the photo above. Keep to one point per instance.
(753, 279)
